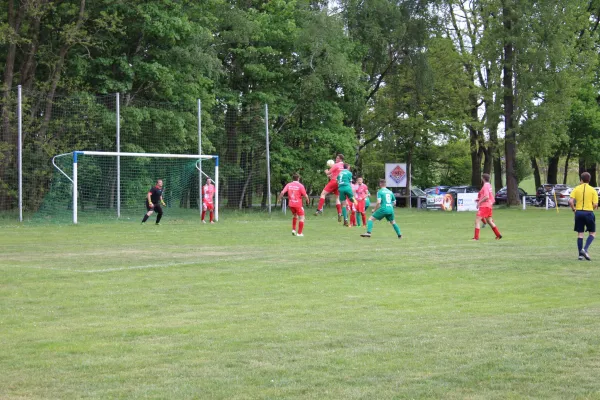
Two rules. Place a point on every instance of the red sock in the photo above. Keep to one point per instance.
(211, 216)
(353, 219)
(203, 214)
(300, 227)
(476, 233)
(496, 231)
(294, 223)
(321, 202)
(339, 208)
(364, 218)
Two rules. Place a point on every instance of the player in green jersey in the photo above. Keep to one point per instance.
(383, 209)
(344, 181)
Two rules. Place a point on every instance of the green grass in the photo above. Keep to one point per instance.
(243, 310)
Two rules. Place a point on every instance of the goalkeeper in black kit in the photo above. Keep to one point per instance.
(154, 202)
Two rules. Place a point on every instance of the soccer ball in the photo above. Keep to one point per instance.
(330, 163)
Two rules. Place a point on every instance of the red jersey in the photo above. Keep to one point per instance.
(361, 191)
(335, 170)
(486, 190)
(295, 191)
(208, 192)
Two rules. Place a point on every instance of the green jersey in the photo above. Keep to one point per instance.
(387, 198)
(344, 178)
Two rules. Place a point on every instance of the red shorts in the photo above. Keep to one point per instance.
(299, 211)
(484, 212)
(332, 187)
(208, 206)
(360, 207)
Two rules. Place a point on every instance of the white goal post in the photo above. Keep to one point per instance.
(197, 157)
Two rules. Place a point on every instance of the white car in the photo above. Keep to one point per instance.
(563, 197)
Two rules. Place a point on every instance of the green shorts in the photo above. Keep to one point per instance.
(367, 202)
(346, 192)
(380, 213)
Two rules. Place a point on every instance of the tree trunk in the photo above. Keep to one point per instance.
(552, 176)
(566, 173)
(495, 153)
(7, 134)
(536, 173)
(510, 143)
(592, 170)
(231, 156)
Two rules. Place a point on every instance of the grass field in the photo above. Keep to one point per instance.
(244, 310)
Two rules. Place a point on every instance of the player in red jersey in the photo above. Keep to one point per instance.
(362, 192)
(485, 202)
(208, 194)
(332, 186)
(295, 191)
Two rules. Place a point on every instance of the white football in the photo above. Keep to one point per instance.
(330, 163)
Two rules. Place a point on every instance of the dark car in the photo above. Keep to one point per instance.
(501, 195)
(455, 190)
(437, 190)
(416, 196)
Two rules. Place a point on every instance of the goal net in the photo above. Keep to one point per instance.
(95, 186)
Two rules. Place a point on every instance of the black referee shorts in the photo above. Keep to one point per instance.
(157, 207)
(583, 220)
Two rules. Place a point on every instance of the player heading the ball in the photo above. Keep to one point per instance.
(344, 180)
(154, 201)
(295, 191)
(383, 208)
(332, 186)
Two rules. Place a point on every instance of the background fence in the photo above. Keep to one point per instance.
(121, 122)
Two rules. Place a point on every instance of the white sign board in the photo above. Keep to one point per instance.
(466, 202)
(395, 174)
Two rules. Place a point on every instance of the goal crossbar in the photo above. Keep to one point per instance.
(198, 157)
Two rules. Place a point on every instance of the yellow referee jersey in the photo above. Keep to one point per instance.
(585, 197)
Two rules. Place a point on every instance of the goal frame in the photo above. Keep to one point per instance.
(198, 157)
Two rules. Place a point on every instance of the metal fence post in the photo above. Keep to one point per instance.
(20, 150)
(118, 112)
(268, 157)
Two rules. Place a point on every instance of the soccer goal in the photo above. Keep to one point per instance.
(97, 184)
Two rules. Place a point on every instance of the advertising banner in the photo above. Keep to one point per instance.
(395, 174)
(466, 202)
(443, 202)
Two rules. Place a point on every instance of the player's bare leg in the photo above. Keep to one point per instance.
(396, 229)
(324, 194)
(301, 226)
(147, 215)
(294, 220)
(478, 220)
(344, 211)
(369, 228)
(490, 222)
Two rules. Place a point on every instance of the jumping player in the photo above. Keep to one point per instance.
(344, 181)
(362, 193)
(154, 201)
(296, 192)
(332, 186)
(485, 202)
(383, 208)
(208, 194)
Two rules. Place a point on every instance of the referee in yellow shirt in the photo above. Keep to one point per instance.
(583, 202)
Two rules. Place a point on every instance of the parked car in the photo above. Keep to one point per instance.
(437, 190)
(502, 195)
(455, 190)
(563, 197)
(548, 190)
(416, 194)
